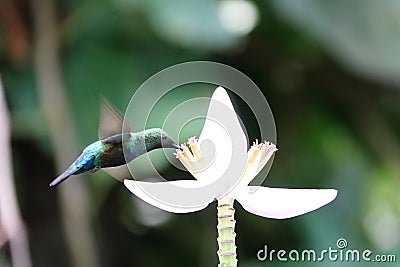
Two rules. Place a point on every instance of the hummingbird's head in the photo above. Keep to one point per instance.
(167, 141)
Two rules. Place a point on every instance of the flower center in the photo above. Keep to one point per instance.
(190, 156)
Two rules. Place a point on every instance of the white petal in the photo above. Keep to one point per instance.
(223, 132)
(174, 196)
(283, 203)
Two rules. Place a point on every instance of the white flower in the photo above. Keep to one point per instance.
(225, 170)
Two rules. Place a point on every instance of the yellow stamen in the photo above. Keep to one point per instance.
(190, 157)
(253, 152)
(183, 160)
(186, 152)
(194, 147)
(267, 149)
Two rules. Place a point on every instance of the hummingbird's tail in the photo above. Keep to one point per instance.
(60, 178)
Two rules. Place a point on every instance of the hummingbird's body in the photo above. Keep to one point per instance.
(109, 152)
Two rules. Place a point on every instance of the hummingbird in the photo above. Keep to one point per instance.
(116, 149)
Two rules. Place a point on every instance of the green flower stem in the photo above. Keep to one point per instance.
(226, 233)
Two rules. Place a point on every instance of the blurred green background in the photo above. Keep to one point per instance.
(329, 69)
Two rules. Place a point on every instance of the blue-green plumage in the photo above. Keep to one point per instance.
(109, 152)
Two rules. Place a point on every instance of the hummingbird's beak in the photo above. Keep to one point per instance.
(59, 179)
(177, 146)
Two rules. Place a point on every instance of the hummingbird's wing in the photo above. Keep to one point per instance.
(111, 120)
(111, 123)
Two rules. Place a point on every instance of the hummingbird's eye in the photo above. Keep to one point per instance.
(163, 136)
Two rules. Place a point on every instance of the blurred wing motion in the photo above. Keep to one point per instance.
(111, 123)
(111, 120)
